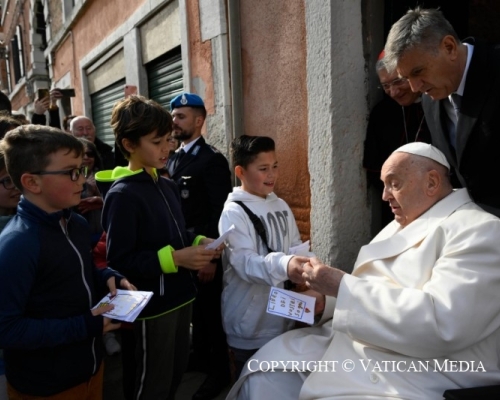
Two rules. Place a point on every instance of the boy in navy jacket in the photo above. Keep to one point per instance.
(52, 338)
(147, 240)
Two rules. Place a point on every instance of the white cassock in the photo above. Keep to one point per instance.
(419, 314)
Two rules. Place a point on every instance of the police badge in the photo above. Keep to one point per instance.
(184, 190)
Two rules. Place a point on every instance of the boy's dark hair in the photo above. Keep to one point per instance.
(137, 116)
(7, 123)
(5, 104)
(245, 149)
(21, 118)
(2, 163)
(27, 149)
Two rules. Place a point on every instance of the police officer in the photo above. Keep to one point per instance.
(204, 179)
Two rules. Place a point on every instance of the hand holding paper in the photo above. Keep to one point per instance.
(127, 304)
(220, 240)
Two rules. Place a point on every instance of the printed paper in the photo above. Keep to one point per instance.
(217, 242)
(289, 304)
(128, 304)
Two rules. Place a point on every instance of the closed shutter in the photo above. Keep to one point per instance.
(165, 78)
(103, 102)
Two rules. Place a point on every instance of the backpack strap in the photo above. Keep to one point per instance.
(257, 224)
(261, 231)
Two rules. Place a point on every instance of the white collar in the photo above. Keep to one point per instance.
(461, 87)
(188, 146)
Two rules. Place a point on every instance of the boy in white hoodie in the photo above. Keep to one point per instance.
(250, 266)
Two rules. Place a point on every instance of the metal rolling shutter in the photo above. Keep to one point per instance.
(165, 78)
(102, 105)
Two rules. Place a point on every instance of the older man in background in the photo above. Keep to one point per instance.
(417, 316)
(396, 120)
(83, 127)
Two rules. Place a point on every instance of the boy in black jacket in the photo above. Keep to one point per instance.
(48, 284)
(147, 240)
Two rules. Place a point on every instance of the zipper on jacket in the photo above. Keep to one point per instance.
(162, 278)
(64, 226)
(157, 185)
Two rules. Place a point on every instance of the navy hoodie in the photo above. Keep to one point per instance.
(142, 216)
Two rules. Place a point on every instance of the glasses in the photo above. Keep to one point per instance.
(7, 183)
(396, 83)
(73, 173)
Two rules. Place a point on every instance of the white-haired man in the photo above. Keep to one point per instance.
(419, 313)
(83, 127)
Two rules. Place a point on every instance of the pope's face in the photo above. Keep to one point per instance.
(397, 88)
(404, 189)
(436, 73)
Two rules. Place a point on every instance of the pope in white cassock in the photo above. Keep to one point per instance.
(420, 313)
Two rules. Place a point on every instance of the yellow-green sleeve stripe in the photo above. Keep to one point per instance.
(198, 239)
(165, 255)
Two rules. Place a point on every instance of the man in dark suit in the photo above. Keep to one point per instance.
(461, 82)
(204, 179)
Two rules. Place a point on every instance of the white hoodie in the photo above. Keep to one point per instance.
(250, 271)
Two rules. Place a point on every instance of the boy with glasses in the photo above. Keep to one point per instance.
(52, 339)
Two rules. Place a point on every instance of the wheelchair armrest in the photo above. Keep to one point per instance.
(480, 392)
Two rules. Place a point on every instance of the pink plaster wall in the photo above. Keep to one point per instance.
(200, 56)
(98, 20)
(273, 45)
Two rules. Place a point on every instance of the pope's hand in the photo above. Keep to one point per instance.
(322, 278)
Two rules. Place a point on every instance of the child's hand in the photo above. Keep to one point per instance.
(193, 257)
(90, 203)
(109, 325)
(295, 268)
(124, 284)
(207, 274)
(219, 249)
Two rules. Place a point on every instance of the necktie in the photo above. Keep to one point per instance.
(456, 102)
(179, 157)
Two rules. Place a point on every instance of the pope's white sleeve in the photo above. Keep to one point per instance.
(456, 308)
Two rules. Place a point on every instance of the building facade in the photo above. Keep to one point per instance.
(299, 71)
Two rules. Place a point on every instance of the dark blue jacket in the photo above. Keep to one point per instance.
(48, 285)
(141, 216)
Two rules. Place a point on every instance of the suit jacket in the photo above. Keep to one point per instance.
(478, 131)
(417, 297)
(204, 181)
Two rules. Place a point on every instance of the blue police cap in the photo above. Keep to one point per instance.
(186, 100)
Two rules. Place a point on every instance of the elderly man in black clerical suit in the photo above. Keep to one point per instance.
(204, 180)
(396, 120)
(461, 82)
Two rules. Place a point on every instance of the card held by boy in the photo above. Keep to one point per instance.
(289, 304)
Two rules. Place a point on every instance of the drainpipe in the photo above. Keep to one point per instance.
(235, 66)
